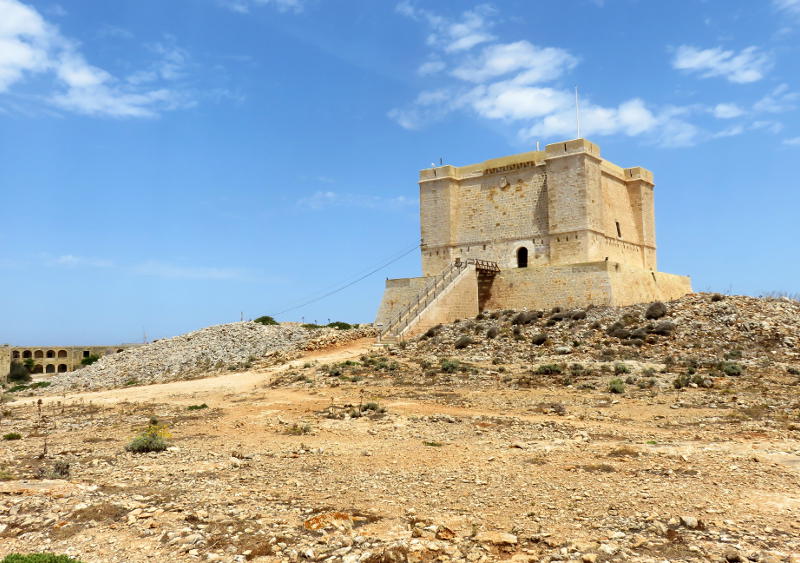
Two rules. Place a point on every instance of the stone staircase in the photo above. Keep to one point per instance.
(400, 323)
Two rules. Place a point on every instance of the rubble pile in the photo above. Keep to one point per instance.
(196, 354)
(707, 326)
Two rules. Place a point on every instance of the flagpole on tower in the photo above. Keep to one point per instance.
(577, 114)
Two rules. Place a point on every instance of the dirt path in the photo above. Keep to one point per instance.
(213, 388)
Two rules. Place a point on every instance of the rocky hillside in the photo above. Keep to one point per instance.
(701, 327)
(695, 341)
(213, 349)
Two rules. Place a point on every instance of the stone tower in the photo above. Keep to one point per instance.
(564, 226)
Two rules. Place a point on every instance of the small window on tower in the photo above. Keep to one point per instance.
(619, 231)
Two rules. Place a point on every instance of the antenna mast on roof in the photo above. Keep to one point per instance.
(577, 114)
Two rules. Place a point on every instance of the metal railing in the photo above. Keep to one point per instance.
(431, 291)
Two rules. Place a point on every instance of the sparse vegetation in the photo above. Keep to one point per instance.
(463, 342)
(549, 369)
(19, 373)
(339, 325)
(38, 558)
(197, 407)
(299, 429)
(539, 339)
(450, 366)
(152, 439)
(730, 368)
(265, 320)
(12, 436)
(89, 360)
(655, 310)
(620, 369)
(616, 386)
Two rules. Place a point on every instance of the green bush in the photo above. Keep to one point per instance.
(151, 439)
(339, 325)
(539, 339)
(619, 369)
(549, 369)
(38, 558)
(299, 429)
(197, 407)
(462, 342)
(19, 373)
(730, 368)
(449, 366)
(265, 320)
(617, 386)
(12, 436)
(90, 359)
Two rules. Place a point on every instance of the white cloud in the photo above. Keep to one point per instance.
(727, 111)
(749, 65)
(323, 199)
(780, 100)
(534, 64)
(773, 127)
(505, 101)
(31, 46)
(453, 36)
(729, 132)
(793, 141)
(430, 67)
(629, 118)
(244, 6)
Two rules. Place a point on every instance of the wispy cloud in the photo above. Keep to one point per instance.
(73, 261)
(453, 35)
(793, 141)
(748, 65)
(244, 6)
(779, 100)
(323, 199)
(791, 7)
(31, 46)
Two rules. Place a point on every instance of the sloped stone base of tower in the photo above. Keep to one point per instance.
(580, 285)
(568, 286)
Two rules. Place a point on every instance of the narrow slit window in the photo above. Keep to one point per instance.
(619, 231)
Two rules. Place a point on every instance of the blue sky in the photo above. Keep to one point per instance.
(168, 165)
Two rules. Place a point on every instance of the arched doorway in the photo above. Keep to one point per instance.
(38, 354)
(51, 354)
(62, 353)
(522, 257)
(50, 368)
(38, 369)
(62, 368)
(26, 354)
